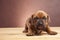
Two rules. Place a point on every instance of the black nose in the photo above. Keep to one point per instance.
(39, 21)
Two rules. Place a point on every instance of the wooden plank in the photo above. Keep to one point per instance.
(16, 34)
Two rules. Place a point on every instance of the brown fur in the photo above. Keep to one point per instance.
(30, 25)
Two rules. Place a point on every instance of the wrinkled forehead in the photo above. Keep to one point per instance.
(40, 14)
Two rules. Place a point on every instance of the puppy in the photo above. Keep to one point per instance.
(38, 22)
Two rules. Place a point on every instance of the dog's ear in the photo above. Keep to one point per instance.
(31, 19)
(48, 18)
(32, 16)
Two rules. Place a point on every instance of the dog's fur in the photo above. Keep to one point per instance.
(38, 22)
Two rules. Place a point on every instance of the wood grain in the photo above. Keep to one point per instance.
(16, 34)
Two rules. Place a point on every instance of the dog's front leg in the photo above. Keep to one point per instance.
(48, 30)
(30, 31)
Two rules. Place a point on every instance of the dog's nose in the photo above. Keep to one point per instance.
(40, 22)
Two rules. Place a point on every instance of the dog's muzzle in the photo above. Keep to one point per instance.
(40, 24)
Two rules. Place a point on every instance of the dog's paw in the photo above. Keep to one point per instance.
(52, 33)
(30, 34)
(25, 31)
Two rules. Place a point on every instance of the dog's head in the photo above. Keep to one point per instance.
(40, 19)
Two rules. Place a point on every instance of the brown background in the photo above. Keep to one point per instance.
(13, 13)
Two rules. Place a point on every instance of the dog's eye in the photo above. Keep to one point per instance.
(44, 17)
(36, 18)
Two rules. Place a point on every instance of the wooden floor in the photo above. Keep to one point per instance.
(16, 34)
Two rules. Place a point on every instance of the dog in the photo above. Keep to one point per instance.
(38, 22)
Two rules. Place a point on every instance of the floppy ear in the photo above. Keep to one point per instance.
(31, 20)
(48, 19)
(32, 16)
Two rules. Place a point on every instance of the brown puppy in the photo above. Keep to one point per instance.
(37, 23)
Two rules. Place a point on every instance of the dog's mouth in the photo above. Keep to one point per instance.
(41, 27)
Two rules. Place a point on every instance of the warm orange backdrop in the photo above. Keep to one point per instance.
(13, 13)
